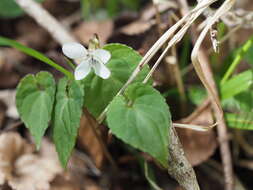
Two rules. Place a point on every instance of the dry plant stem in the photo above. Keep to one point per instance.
(153, 50)
(222, 129)
(227, 36)
(197, 111)
(175, 71)
(158, 20)
(207, 79)
(179, 167)
(189, 19)
(226, 6)
(94, 128)
(46, 20)
(179, 81)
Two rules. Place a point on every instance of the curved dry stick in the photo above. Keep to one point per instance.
(226, 6)
(190, 18)
(195, 13)
(46, 20)
(222, 129)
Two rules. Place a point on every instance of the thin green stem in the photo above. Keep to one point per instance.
(35, 54)
(237, 60)
(70, 63)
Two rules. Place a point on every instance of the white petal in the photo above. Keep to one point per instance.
(101, 70)
(82, 70)
(102, 55)
(74, 50)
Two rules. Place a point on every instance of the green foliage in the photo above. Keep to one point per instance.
(9, 9)
(240, 106)
(249, 53)
(93, 8)
(240, 121)
(238, 55)
(237, 92)
(99, 92)
(236, 84)
(67, 115)
(33, 53)
(196, 94)
(131, 4)
(34, 100)
(142, 119)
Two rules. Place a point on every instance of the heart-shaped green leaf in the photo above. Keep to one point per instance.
(141, 118)
(99, 92)
(67, 115)
(34, 100)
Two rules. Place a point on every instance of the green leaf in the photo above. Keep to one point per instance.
(196, 94)
(33, 53)
(99, 92)
(236, 85)
(242, 121)
(239, 54)
(34, 100)
(9, 9)
(247, 50)
(131, 4)
(67, 115)
(141, 118)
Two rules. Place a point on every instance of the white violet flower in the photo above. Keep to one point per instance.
(88, 59)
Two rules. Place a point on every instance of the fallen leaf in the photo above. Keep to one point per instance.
(199, 146)
(61, 183)
(85, 31)
(8, 97)
(137, 27)
(146, 20)
(22, 168)
(88, 140)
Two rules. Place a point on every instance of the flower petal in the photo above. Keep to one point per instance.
(102, 55)
(82, 70)
(101, 70)
(74, 50)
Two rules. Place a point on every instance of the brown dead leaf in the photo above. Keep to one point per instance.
(199, 146)
(137, 27)
(8, 78)
(22, 169)
(90, 185)
(8, 97)
(61, 183)
(85, 31)
(87, 139)
(11, 147)
(147, 19)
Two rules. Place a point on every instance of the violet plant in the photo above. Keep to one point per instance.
(140, 116)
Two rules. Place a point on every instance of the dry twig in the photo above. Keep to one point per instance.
(208, 78)
(46, 20)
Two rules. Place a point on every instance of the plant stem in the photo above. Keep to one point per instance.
(180, 168)
(193, 15)
(237, 60)
(35, 54)
(46, 20)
